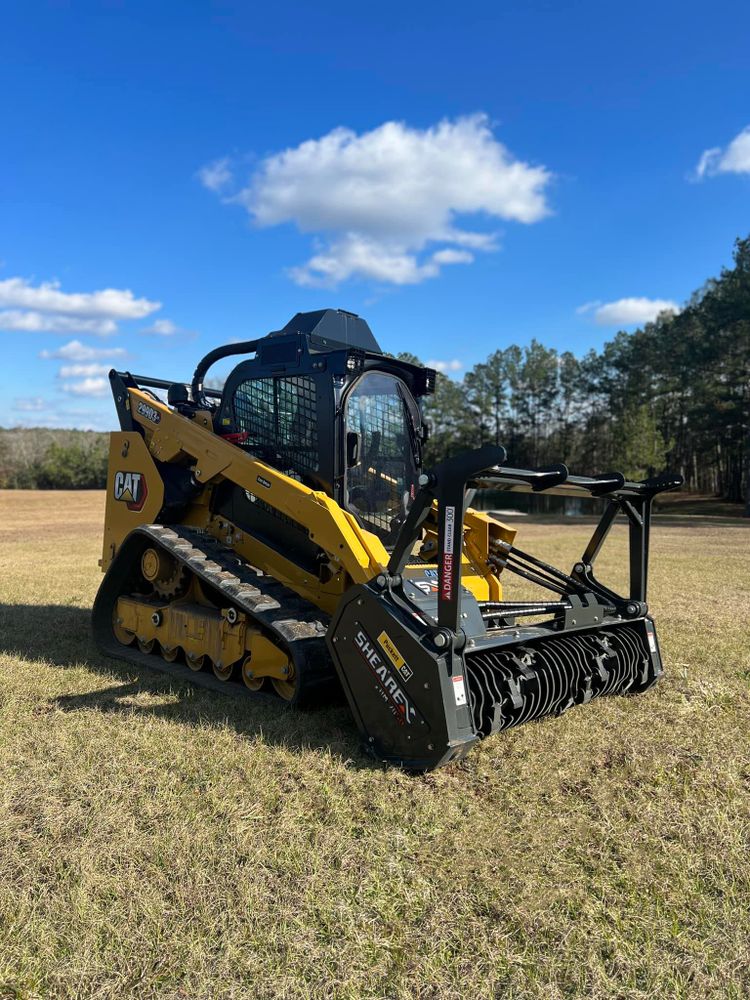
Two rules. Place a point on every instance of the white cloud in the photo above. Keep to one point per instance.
(380, 198)
(86, 370)
(588, 306)
(87, 387)
(356, 256)
(162, 328)
(628, 312)
(76, 351)
(82, 371)
(216, 175)
(734, 159)
(108, 303)
(45, 308)
(452, 256)
(168, 331)
(445, 366)
(36, 322)
(33, 404)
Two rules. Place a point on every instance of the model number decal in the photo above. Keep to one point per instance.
(149, 412)
(391, 651)
(130, 488)
(393, 693)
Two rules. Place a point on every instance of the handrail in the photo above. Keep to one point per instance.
(160, 383)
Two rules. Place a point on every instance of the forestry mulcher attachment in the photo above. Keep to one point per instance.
(281, 533)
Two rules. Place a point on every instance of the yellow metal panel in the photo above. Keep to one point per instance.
(201, 630)
(135, 492)
(480, 530)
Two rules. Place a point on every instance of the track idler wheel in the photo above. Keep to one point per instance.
(121, 634)
(287, 687)
(267, 660)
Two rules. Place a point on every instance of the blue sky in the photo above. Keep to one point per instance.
(177, 175)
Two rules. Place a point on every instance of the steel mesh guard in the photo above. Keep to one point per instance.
(280, 417)
(509, 686)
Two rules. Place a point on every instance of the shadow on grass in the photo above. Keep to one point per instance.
(61, 635)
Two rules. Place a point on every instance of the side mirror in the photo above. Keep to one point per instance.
(352, 449)
(425, 433)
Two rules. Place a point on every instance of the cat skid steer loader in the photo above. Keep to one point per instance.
(281, 537)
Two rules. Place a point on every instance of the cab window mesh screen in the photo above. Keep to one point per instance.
(280, 418)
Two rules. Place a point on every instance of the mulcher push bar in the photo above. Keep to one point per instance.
(557, 480)
(448, 485)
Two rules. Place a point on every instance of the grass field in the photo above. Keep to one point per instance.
(158, 840)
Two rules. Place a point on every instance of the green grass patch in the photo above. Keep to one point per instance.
(159, 840)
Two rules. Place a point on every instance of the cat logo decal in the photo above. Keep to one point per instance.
(131, 489)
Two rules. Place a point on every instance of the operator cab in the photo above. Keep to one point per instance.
(321, 403)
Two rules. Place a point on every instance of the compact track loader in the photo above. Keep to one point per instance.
(281, 536)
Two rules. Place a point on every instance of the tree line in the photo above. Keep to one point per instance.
(673, 395)
(40, 459)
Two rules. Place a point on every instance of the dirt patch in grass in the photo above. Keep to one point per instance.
(158, 840)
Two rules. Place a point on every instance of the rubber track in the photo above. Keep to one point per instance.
(276, 610)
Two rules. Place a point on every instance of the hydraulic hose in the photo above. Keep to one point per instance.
(196, 386)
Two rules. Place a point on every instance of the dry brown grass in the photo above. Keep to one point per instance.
(163, 841)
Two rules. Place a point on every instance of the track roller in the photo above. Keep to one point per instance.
(252, 682)
(195, 662)
(222, 671)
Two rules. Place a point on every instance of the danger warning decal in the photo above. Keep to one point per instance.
(130, 488)
(446, 570)
(390, 690)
